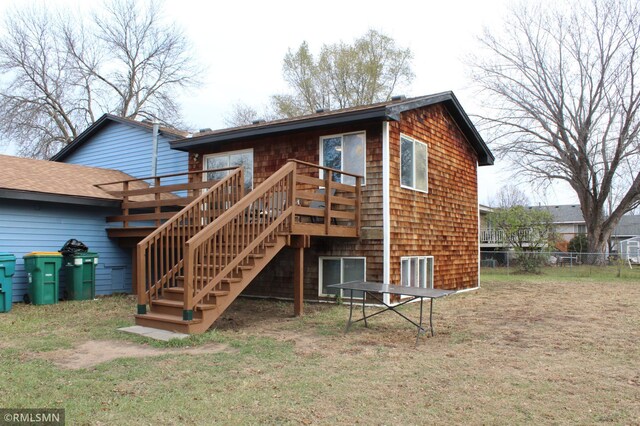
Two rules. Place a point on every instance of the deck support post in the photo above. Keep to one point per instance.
(298, 282)
(134, 270)
(299, 242)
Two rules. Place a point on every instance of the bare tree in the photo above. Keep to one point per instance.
(509, 196)
(242, 114)
(40, 107)
(126, 60)
(561, 88)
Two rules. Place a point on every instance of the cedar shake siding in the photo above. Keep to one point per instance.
(269, 155)
(442, 223)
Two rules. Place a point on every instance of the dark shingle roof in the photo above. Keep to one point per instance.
(380, 111)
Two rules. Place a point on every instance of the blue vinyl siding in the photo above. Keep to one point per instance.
(27, 226)
(128, 149)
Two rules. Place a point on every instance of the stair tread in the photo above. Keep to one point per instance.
(174, 319)
(228, 279)
(181, 291)
(179, 304)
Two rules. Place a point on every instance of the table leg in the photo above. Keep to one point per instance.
(364, 316)
(431, 316)
(420, 326)
(350, 312)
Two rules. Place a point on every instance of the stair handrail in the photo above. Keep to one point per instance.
(227, 242)
(197, 215)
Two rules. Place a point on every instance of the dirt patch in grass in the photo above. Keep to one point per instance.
(94, 352)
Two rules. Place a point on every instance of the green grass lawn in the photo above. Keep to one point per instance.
(519, 350)
(577, 273)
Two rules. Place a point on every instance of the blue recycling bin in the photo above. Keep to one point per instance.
(7, 269)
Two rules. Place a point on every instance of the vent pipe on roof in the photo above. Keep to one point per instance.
(154, 148)
(398, 98)
(319, 110)
(258, 121)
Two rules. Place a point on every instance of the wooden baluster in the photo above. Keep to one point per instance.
(187, 310)
(327, 201)
(141, 278)
(292, 202)
(358, 202)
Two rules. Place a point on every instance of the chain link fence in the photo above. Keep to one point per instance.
(567, 264)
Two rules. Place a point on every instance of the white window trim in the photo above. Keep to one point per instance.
(225, 154)
(414, 140)
(341, 258)
(403, 258)
(342, 135)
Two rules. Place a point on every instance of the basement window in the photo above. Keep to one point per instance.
(344, 152)
(336, 270)
(413, 164)
(416, 271)
(230, 159)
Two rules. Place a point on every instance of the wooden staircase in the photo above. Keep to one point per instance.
(195, 265)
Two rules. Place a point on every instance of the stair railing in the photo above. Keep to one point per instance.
(227, 243)
(161, 255)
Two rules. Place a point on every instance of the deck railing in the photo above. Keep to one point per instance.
(497, 236)
(280, 205)
(492, 236)
(160, 256)
(149, 201)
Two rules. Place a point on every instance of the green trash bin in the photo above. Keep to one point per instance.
(80, 271)
(7, 269)
(42, 269)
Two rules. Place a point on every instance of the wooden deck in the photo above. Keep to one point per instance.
(211, 249)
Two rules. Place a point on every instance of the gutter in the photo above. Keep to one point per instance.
(57, 198)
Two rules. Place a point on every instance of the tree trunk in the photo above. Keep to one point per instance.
(597, 243)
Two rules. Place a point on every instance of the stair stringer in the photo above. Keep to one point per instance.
(248, 275)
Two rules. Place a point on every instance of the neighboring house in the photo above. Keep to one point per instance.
(127, 145)
(44, 204)
(416, 218)
(628, 227)
(568, 221)
(490, 238)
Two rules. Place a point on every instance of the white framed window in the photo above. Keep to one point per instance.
(416, 271)
(336, 270)
(414, 166)
(580, 229)
(345, 152)
(229, 159)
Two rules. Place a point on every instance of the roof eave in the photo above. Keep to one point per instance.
(380, 113)
(12, 194)
(485, 157)
(94, 128)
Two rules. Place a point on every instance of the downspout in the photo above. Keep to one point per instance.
(386, 209)
(154, 148)
(478, 206)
